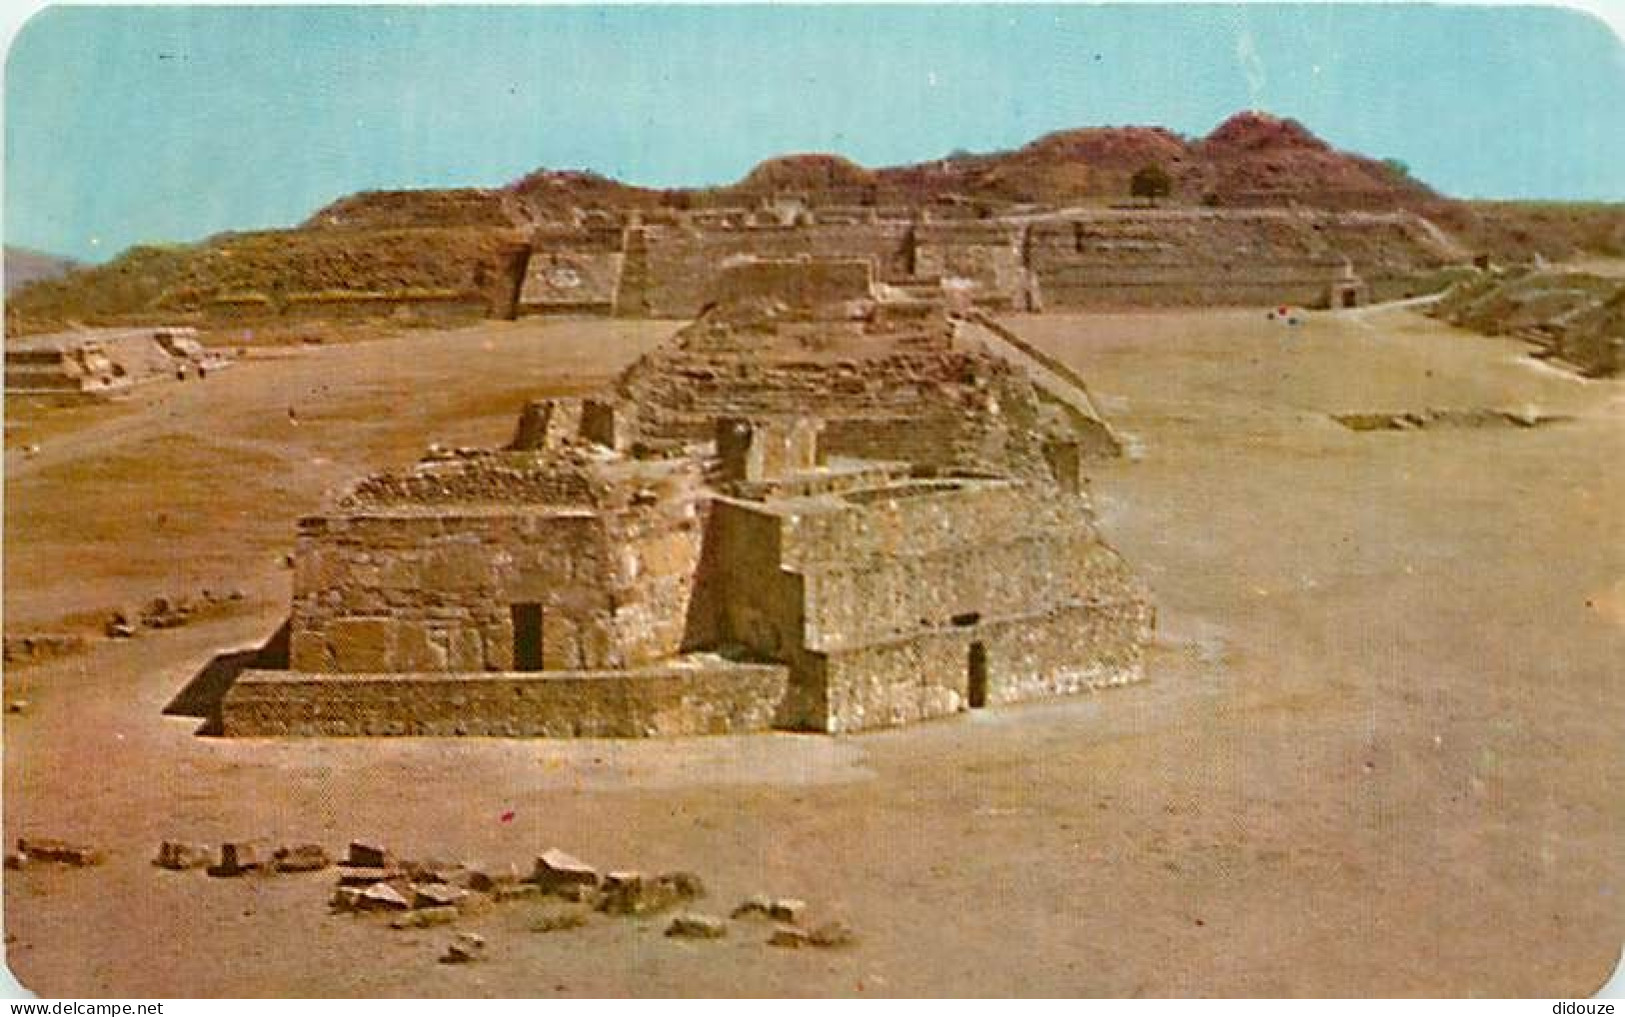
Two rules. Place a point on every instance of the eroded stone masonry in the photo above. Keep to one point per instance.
(821, 506)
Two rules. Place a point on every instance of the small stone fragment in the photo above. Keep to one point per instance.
(350, 875)
(697, 926)
(237, 858)
(177, 856)
(362, 855)
(686, 885)
(787, 910)
(46, 849)
(301, 858)
(383, 897)
(466, 948)
(790, 938)
(17, 706)
(832, 934)
(755, 904)
(434, 895)
(15, 860)
(555, 868)
(633, 893)
(345, 898)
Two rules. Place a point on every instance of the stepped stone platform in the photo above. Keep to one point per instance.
(814, 509)
(104, 363)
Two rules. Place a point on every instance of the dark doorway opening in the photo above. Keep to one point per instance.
(978, 675)
(1350, 298)
(527, 637)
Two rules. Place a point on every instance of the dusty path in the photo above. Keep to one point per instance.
(1378, 754)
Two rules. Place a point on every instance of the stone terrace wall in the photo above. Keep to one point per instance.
(1222, 257)
(681, 263)
(710, 698)
(934, 409)
(988, 253)
(798, 283)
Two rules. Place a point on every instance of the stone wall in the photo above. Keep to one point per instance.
(875, 598)
(696, 698)
(798, 283)
(1061, 651)
(383, 591)
(679, 265)
(1170, 258)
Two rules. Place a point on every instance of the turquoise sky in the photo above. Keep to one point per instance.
(149, 124)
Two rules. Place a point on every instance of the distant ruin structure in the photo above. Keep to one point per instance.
(104, 363)
(821, 507)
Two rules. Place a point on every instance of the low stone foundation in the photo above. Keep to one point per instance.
(711, 697)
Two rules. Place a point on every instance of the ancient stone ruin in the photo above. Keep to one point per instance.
(104, 363)
(819, 507)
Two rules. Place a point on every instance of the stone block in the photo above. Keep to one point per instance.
(383, 897)
(176, 856)
(300, 858)
(361, 644)
(466, 948)
(697, 926)
(363, 855)
(435, 895)
(555, 868)
(240, 857)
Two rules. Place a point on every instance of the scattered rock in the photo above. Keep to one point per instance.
(15, 860)
(46, 849)
(350, 875)
(696, 926)
(178, 856)
(17, 706)
(435, 895)
(119, 626)
(790, 938)
(465, 949)
(31, 649)
(559, 921)
(424, 918)
(239, 858)
(362, 855)
(555, 868)
(832, 934)
(301, 858)
(633, 893)
(383, 897)
(435, 872)
(345, 898)
(781, 909)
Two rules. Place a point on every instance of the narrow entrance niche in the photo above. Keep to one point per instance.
(978, 675)
(527, 637)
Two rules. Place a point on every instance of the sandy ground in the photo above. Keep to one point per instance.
(1378, 755)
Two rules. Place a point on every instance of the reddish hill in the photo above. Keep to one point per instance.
(1258, 159)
